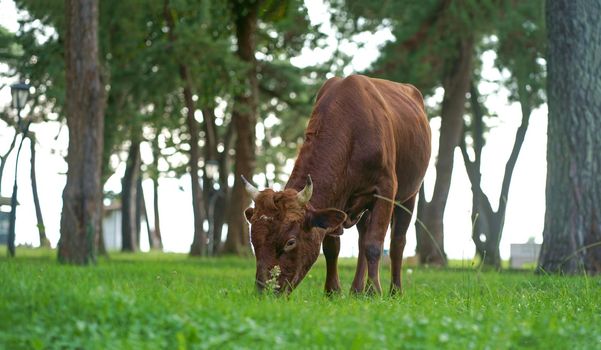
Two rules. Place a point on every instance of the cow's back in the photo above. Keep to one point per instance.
(363, 129)
(412, 135)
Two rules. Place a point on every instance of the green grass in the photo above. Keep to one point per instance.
(167, 301)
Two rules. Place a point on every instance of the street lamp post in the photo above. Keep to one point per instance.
(20, 93)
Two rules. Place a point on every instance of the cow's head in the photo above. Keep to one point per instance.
(286, 231)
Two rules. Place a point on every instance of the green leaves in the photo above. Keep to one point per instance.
(9, 49)
(521, 48)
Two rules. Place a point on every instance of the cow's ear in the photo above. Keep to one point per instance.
(328, 219)
(249, 213)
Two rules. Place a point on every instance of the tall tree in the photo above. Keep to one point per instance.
(519, 44)
(85, 103)
(268, 34)
(129, 199)
(456, 79)
(573, 213)
(34, 190)
(487, 222)
(213, 198)
(200, 238)
(244, 118)
(207, 36)
(4, 158)
(155, 238)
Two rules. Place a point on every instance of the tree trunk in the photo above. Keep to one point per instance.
(101, 246)
(223, 200)
(144, 213)
(156, 241)
(140, 209)
(572, 233)
(430, 242)
(13, 200)
(209, 128)
(36, 199)
(244, 117)
(85, 104)
(487, 223)
(487, 230)
(199, 242)
(129, 199)
(211, 195)
(5, 156)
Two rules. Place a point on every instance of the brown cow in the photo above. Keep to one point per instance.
(366, 137)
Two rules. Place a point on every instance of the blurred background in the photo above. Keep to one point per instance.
(198, 92)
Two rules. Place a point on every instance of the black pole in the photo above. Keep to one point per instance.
(13, 199)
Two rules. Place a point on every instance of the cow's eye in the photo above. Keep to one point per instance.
(290, 245)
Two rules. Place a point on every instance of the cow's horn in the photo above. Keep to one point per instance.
(305, 194)
(252, 190)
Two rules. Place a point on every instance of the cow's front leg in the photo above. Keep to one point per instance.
(374, 242)
(331, 248)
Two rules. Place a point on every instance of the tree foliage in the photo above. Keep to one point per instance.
(140, 73)
(437, 44)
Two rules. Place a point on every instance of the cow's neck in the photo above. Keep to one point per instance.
(326, 181)
(323, 156)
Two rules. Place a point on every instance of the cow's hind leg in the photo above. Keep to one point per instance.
(400, 222)
(331, 248)
(359, 281)
(377, 225)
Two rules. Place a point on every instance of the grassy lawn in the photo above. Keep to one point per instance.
(166, 301)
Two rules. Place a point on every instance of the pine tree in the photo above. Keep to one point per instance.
(82, 197)
(573, 213)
